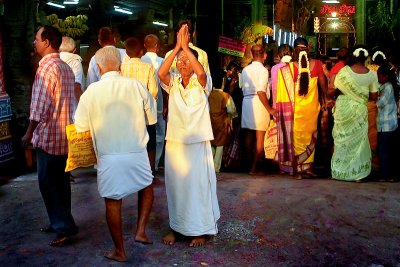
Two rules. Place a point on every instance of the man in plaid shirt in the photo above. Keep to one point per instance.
(51, 110)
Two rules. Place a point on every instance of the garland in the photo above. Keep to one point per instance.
(302, 70)
(356, 52)
(378, 53)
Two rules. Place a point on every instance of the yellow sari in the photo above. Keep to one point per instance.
(297, 122)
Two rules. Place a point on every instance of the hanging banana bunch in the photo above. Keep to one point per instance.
(72, 26)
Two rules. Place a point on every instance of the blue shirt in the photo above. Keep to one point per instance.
(387, 109)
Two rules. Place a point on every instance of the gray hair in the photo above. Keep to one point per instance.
(67, 45)
(108, 57)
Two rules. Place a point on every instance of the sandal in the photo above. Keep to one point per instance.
(60, 241)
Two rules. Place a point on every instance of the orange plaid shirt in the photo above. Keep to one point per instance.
(52, 104)
(142, 71)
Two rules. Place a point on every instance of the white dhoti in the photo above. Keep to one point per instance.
(119, 175)
(191, 187)
(254, 115)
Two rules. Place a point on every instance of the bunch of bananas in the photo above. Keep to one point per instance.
(72, 26)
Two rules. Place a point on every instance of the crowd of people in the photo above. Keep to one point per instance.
(139, 106)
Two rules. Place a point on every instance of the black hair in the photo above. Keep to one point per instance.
(343, 54)
(188, 22)
(285, 50)
(362, 57)
(218, 77)
(106, 36)
(385, 70)
(301, 44)
(53, 35)
(379, 59)
(233, 65)
(133, 47)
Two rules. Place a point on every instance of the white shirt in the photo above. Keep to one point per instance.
(188, 110)
(93, 74)
(153, 59)
(114, 110)
(254, 79)
(75, 62)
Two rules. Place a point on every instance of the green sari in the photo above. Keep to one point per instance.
(351, 159)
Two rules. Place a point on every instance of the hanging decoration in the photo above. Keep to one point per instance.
(316, 25)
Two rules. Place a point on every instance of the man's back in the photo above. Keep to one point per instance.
(142, 71)
(116, 107)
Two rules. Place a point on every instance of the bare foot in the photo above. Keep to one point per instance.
(143, 239)
(170, 238)
(198, 241)
(312, 174)
(115, 256)
(298, 177)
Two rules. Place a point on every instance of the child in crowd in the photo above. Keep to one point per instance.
(222, 110)
(387, 122)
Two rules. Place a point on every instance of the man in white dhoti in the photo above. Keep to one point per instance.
(114, 110)
(256, 110)
(190, 179)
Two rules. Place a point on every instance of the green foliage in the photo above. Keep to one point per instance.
(382, 22)
(238, 30)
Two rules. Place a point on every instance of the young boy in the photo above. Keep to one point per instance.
(387, 123)
(222, 110)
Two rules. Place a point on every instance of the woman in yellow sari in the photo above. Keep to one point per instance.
(298, 105)
(351, 160)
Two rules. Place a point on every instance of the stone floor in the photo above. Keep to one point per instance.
(270, 220)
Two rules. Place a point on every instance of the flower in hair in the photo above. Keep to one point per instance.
(302, 70)
(378, 53)
(304, 54)
(356, 52)
(286, 59)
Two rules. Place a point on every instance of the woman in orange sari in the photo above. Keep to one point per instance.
(298, 105)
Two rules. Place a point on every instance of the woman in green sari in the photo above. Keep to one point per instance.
(351, 160)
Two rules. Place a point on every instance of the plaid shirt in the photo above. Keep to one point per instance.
(52, 104)
(387, 109)
(142, 71)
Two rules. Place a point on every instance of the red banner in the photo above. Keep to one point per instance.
(231, 46)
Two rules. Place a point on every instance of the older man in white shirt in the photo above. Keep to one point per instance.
(67, 54)
(115, 109)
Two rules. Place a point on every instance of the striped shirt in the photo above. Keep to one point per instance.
(143, 72)
(52, 104)
(387, 109)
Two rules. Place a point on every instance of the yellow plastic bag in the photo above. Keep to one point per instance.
(271, 141)
(80, 149)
